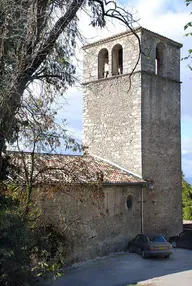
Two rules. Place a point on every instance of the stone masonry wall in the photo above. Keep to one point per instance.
(137, 126)
(112, 106)
(130, 46)
(161, 138)
(112, 120)
(96, 232)
(149, 43)
(161, 154)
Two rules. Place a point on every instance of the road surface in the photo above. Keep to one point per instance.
(125, 268)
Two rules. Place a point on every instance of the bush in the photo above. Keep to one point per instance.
(16, 241)
(50, 251)
(187, 200)
(28, 250)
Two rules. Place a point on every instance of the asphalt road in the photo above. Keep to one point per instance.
(125, 268)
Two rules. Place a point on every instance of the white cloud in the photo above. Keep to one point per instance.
(187, 117)
(164, 16)
(187, 156)
(187, 146)
(187, 167)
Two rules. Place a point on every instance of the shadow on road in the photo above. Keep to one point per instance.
(124, 269)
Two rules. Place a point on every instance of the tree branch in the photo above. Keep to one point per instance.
(47, 76)
(56, 31)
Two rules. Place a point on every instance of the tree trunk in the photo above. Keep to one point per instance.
(29, 65)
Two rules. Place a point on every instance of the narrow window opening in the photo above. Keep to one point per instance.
(117, 60)
(160, 60)
(156, 63)
(120, 62)
(129, 202)
(103, 64)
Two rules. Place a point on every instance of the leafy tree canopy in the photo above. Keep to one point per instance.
(187, 28)
(37, 43)
(187, 199)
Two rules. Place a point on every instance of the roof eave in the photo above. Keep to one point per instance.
(137, 30)
(142, 184)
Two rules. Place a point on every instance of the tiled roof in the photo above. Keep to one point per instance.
(49, 169)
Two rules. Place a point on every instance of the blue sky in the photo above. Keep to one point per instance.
(165, 17)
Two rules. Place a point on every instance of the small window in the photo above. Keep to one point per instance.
(156, 238)
(117, 60)
(143, 239)
(129, 202)
(103, 63)
(160, 60)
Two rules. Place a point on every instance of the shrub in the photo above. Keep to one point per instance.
(187, 200)
(28, 250)
(16, 240)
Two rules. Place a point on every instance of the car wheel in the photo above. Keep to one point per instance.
(174, 244)
(143, 254)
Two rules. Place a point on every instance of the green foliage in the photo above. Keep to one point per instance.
(4, 168)
(50, 251)
(187, 200)
(188, 2)
(29, 250)
(15, 241)
(187, 27)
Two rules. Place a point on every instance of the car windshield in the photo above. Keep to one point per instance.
(156, 238)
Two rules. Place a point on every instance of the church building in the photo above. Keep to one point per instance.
(131, 130)
(131, 117)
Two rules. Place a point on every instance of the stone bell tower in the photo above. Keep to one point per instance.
(131, 116)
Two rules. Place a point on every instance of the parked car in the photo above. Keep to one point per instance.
(150, 245)
(183, 240)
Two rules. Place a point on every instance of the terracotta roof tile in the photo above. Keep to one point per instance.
(71, 169)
